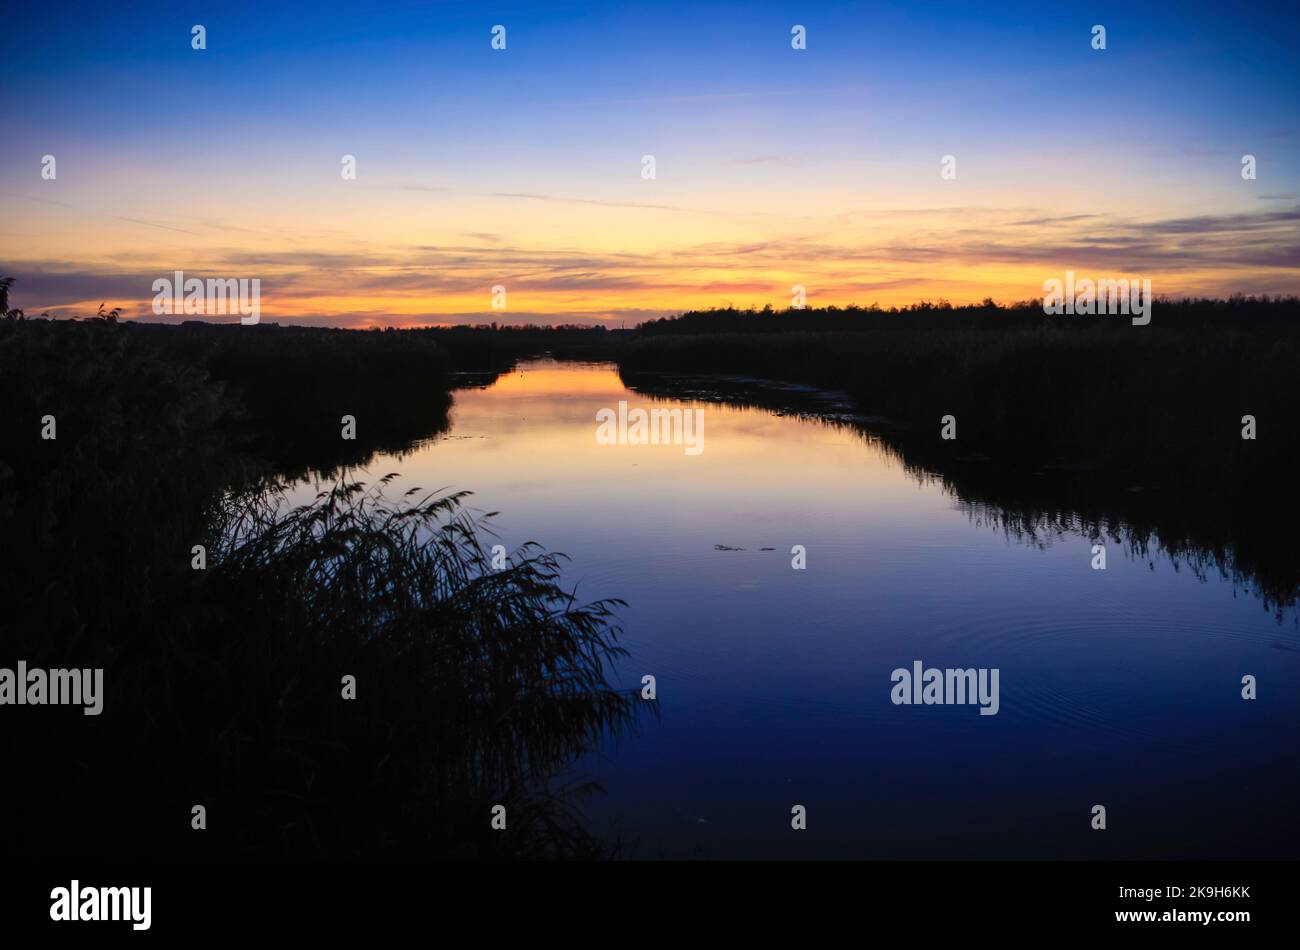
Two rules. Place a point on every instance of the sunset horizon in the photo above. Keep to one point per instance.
(396, 176)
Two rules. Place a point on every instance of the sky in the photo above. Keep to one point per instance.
(523, 168)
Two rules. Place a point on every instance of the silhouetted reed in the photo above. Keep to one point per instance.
(224, 685)
(473, 685)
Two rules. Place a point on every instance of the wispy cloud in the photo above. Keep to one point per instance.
(998, 252)
(564, 199)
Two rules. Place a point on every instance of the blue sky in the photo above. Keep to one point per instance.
(236, 148)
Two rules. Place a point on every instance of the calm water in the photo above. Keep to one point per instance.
(1118, 687)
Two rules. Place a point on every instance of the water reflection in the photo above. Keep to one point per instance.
(1118, 686)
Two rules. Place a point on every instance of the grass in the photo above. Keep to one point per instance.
(474, 686)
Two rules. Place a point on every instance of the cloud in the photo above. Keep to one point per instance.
(152, 224)
(918, 257)
(43, 201)
(408, 186)
(530, 196)
(1218, 224)
(788, 160)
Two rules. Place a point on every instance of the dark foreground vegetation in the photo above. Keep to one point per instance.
(473, 687)
(224, 686)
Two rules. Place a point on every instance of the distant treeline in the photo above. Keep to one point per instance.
(288, 388)
(1141, 424)
(1249, 312)
(1162, 402)
(497, 348)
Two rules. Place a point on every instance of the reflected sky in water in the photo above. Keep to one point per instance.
(1118, 687)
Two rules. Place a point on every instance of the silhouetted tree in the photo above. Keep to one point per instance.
(10, 315)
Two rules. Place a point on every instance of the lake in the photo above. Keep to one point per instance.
(1119, 687)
